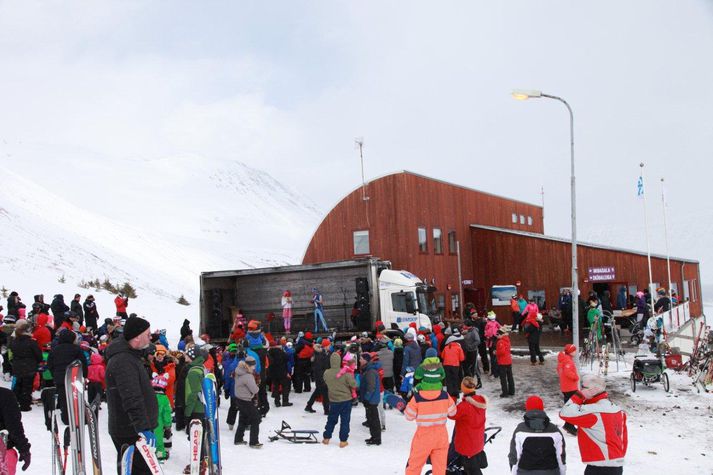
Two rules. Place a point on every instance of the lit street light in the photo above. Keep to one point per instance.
(523, 95)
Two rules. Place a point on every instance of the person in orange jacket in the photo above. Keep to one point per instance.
(430, 409)
(569, 378)
(504, 359)
(452, 357)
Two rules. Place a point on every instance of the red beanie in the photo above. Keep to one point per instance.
(534, 403)
(308, 335)
(569, 349)
(412, 325)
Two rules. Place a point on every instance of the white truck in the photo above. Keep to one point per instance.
(356, 294)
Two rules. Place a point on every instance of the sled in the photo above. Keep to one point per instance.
(294, 435)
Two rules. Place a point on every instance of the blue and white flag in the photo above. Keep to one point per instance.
(640, 187)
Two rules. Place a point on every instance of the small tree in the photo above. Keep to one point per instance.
(108, 286)
(4, 292)
(182, 300)
(62, 279)
(128, 290)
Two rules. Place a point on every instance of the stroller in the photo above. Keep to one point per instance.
(454, 465)
(649, 370)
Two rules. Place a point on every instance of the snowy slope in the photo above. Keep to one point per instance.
(156, 223)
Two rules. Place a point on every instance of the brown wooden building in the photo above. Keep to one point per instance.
(415, 222)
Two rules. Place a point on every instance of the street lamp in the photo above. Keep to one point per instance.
(523, 95)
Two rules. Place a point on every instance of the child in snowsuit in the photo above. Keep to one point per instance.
(430, 373)
(348, 366)
(95, 376)
(430, 409)
(406, 387)
(159, 383)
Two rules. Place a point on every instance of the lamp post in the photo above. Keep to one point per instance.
(523, 95)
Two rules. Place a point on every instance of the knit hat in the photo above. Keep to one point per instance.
(250, 361)
(232, 348)
(467, 386)
(431, 352)
(253, 325)
(22, 327)
(534, 403)
(300, 334)
(308, 335)
(326, 343)
(592, 385)
(134, 327)
(160, 349)
(412, 325)
(398, 343)
(191, 352)
(491, 315)
(409, 336)
(569, 349)
(421, 338)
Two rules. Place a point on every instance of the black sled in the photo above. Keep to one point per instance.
(295, 436)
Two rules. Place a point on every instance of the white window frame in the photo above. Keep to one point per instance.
(437, 241)
(529, 220)
(522, 219)
(361, 234)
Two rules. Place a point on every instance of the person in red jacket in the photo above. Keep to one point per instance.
(569, 378)
(42, 334)
(469, 433)
(121, 303)
(504, 359)
(452, 356)
(602, 433)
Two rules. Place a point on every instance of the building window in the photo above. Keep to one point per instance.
(361, 242)
(514, 218)
(529, 220)
(694, 290)
(522, 219)
(437, 241)
(452, 242)
(455, 303)
(422, 239)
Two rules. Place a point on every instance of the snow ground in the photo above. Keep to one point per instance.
(668, 433)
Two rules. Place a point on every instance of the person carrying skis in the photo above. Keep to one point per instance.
(569, 378)
(131, 401)
(469, 432)
(537, 446)
(430, 408)
(11, 421)
(601, 427)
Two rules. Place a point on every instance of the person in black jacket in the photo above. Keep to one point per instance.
(277, 372)
(11, 421)
(26, 356)
(58, 307)
(91, 315)
(537, 446)
(76, 307)
(186, 329)
(131, 402)
(40, 299)
(13, 303)
(59, 358)
(320, 363)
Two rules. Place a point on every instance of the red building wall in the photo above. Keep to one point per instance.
(502, 258)
(398, 204)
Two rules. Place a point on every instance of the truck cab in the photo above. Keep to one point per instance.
(402, 299)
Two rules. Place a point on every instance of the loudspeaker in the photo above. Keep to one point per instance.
(362, 287)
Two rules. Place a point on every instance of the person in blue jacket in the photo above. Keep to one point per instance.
(412, 353)
(370, 395)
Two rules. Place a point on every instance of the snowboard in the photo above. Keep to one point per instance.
(211, 415)
(394, 400)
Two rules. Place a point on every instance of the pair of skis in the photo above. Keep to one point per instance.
(147, 452)
(211, 437)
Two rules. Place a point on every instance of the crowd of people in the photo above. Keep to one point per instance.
(153, 390)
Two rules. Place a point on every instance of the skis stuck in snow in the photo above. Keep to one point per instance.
(91, 412)
(195, 431)
(211, 414)
(74, 385)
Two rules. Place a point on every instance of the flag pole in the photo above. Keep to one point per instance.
(646, 230)
(665, 232)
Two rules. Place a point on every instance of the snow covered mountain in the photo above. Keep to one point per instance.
(154, 222)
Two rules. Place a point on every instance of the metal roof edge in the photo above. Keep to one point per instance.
(291, 268)
(579, 243)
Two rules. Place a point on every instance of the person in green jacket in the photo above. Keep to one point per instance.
(195, 409)
(163, 429)
(430, 373)
(594, 317)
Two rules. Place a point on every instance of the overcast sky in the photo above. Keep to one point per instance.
(287, 86)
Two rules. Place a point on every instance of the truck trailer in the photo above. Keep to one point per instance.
(356, 294)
